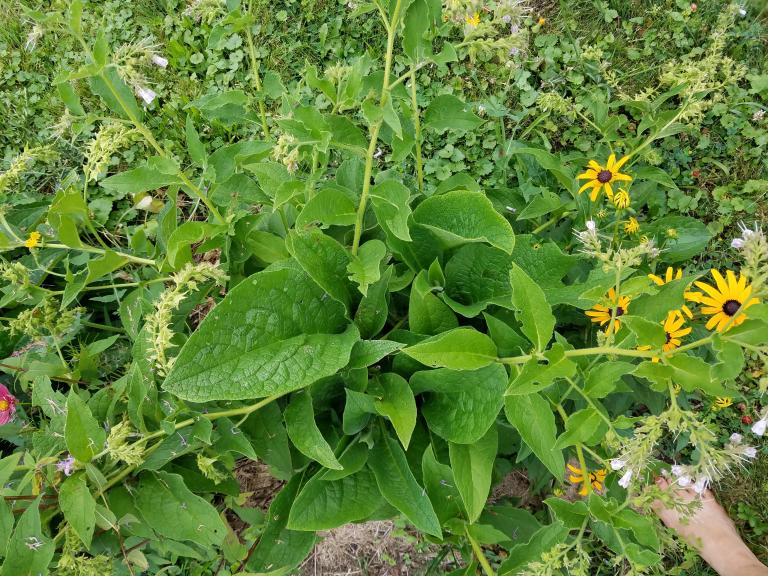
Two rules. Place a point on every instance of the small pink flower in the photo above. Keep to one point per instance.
(7, 405)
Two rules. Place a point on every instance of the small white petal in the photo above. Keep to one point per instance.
(625, 480)
(737, 243)
(146, 94)
(159, 61)
(677, 470)
(591, 226)
(759, 427)
(684, 481)
(701, 485)
(750, 452)
(742, 12)
(618, 464)
(736, 438)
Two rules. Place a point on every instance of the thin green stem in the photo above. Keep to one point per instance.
(255, 73)
(584, 470)
(479, 554)
(417, 130)
(94, 250)
(375, 127)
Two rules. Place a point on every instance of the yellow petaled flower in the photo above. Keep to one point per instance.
(671, 233)
(722, 402)
(596, 478)
(602, 314)
(600, 176)
(726, 303)
(621, 200)
(33, 240)
(668, 277)
(631, 226)
(542, 21)
(673, 328)
(473, 20)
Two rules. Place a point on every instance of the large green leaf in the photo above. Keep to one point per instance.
(427, 314)
(395, 401)
(398, 485)
(533, 310)
(157, 172)
(689, 239)
(173, 511)
(275, 332)
(532, 416)
(78, 506)
(472, 466)
(460, 217)
(324, 504)
(461, 405)
(459, 349)
(391, 203)
(463, 293)
(29, 550)
(82, 432)
(304, 433)
(446, 112)
(324, 259)
(279, 549)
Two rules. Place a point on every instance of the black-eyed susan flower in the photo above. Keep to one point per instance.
(674, 330)
(602, 314)
(722, 402)
(631, 226)
(621, 199)
(669, 276)
(33, 240)
(596, 478)
(473, 19)
(600, 176)
(725, 303)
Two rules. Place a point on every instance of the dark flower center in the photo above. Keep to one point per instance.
(604, 176)
(669, 337)
(731, 307)
(619, 311)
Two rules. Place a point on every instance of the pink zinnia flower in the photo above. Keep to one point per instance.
(7, 405)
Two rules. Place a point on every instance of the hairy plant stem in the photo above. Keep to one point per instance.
(255, 73)
(94, 250)
(391, 27)
(479, 554)
(417, 131)
(522, 359)
(584, 471)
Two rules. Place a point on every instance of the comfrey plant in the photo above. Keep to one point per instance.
(300, 294)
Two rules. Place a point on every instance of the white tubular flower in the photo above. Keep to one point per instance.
(750, 452)
(701, 484)
(736, 438)
(591, 226)
(159, 61)
(737, 243)
(760, 426)
(618, 464)
(626, 479)
(146, 94)
(677, 470)
(742, 12)
(684, 481)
